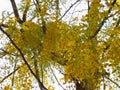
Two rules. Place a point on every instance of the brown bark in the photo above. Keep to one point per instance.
(15, 10)
(79, 86)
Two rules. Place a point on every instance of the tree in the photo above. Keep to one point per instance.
(39, 40)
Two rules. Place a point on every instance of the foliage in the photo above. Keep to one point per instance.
(41, 40)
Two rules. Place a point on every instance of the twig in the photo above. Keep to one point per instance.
(42, 17)
(24, 59)
(56, 78)
(118, 22)
(104, 20)
(9, 74)
(37, 71)
(112, 81)
(68, 9)
(19, 50)
(14, 74)
(6, 53)
(41, 67)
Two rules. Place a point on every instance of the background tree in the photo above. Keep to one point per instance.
(40, 40)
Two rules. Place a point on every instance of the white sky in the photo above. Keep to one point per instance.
(4, 5)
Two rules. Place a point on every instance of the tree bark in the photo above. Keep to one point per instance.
(79, 86)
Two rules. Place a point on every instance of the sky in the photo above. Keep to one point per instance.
(4, 5)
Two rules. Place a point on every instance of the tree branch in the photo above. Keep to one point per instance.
(56, 78)
(27, 6)
(14, 6)
(25, 14)
(104, 20)
(6, 53)
(42, 17)
(69, 9)
(112, 81)
(88, 4)
(37, 71)
(9, 74)
(118, 22)
(14, 74)
(24, 59)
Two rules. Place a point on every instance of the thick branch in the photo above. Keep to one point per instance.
(88, 3)
(25, 14)
(79, 86)
(27, 6)
(14, 6)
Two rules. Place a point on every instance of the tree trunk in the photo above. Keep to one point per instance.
(79, 86)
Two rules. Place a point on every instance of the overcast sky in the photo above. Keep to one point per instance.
(4, 5)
